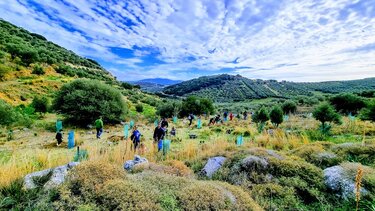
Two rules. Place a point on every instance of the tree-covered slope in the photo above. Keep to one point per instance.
(20, 49)
(227, 88)
(230, 88)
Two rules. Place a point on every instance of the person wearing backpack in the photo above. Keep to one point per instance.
(136, 138)
(99, 127)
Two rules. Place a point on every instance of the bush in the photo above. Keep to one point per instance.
(347, 103)
(4, 69)
(197, 106)
(40, 104)
(276, 115)
(325, 113)
(83, 100)
(368, 113)
(289, 107)
(139, 108)
(38, 70)
(260, 116)
(168, 109)
(7, 114)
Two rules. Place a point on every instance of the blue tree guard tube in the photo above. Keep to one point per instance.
(175, 119)
(71, 139)
(199, 124)
(126, 131)
(156, 122)
(58, 125)
(131, 124)
(166, 146)
(286, 117)
(239, 140)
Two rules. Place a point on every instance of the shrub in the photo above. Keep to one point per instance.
(325, 113)
(7, 114)
(139, 108)
(289, 107)
(38, 70)
(168, 109)
(4, 69)
(368, 113)
(261, 116)
(196, 106)
(276, 116)
(40, 104)
(347, 103)
(83, 100)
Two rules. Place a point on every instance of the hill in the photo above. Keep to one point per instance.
(31, 65)
(233, 88)
(154, 85)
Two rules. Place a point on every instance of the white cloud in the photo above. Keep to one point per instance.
(313, 35)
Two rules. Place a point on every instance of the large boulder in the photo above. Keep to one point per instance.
(53, 177)
(129, 165)
(254, 163)
(337, 180)
(212, 165)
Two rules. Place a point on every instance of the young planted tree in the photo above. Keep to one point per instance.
(326, 114)
(276, 116)
(289, 107)
(260, 117)
(83, 100)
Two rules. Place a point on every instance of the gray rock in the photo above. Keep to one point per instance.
(57, 177)
(128, 165)
(212, 165)
(337, 180)
(254, 163)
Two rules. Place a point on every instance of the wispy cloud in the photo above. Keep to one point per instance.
(280, 39)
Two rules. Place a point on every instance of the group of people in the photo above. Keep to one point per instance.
(160, 131)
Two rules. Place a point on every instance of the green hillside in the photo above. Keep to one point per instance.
(234, 88)
(20, 49)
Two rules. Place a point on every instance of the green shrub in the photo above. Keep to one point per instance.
(139, 108)
(276, 115)
(325, 113)
(289, 107)
(197, 106)
(347, 103)
(83, 100)
(168, 109)
(4, 69)
(368, 113)
(41, 104)
(38, 70)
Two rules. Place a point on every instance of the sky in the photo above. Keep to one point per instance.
(294, 40)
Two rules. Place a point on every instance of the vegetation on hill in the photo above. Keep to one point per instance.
(234, 88)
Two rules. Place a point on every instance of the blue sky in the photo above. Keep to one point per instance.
(295, 40)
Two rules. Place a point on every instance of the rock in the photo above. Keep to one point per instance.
(212, 165)
(57, 177)
(129, 165)
(254, 163)
(337, 180)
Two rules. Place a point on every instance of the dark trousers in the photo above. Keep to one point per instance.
(136, 144)
(99, 132)
(59, 140)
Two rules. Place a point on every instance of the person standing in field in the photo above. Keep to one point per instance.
(190, 118)
(136, 138)
(99, 127)
(245, 115)
(59, 137)
(231, 116)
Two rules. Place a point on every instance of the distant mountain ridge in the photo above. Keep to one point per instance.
(154, 84)
(161, 81)
(232, 88)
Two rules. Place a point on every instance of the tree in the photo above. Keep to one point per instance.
(197, 106)
(84, 100)
(139, 108)
(347, 103)
(368, 113)
(289, 107)
(276, 115)
(325, 113)
(38, 70)
(260, 117)
(7, 114)
(168, 109)
(40, 104)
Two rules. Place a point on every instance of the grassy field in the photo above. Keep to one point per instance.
(35, 149)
